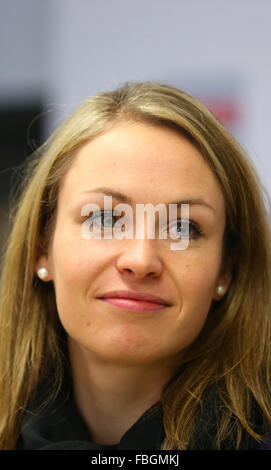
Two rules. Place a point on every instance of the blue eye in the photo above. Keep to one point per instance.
(110, 217)
(194, 230)
(108, 220)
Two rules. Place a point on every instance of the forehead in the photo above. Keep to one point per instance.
(149, 164)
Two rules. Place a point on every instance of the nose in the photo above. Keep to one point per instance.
(140, 259)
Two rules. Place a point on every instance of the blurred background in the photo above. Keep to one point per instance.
(56, 53)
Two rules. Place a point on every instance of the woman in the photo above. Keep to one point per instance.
(82, 366)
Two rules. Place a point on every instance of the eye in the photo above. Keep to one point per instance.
(178, 229)
(105, 216)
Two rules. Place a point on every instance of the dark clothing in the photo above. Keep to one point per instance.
(59, 425)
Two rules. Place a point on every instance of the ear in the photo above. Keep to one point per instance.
(43, 262)
(224, 280)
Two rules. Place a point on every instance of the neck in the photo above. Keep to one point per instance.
(117, 394)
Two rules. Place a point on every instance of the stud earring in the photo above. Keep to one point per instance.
(220, 290)
(42, 273)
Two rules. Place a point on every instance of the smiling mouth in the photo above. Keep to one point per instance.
(134, 304)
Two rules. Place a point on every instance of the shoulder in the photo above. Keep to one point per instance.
(210, 418)
(266, 445)
(51, 418)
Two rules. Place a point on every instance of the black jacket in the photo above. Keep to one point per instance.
(59, 425)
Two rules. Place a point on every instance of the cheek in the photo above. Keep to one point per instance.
(196, 280)
(74, 272)
(197, 273)
(197, 283)
(77, 266)
(76, 262)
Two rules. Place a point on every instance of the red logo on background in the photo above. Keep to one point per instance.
(225, 110)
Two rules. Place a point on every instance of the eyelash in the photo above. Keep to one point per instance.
(192, 224)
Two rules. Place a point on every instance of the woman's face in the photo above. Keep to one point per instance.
(148, 165)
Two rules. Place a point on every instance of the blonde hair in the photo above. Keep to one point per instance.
(232, 353)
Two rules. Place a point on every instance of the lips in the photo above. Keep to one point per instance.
(137, 296)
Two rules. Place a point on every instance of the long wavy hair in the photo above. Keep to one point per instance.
(232, 354)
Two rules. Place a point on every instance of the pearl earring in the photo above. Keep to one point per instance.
(220, 290)
(42, 273)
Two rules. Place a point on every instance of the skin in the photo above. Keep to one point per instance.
(121, 360)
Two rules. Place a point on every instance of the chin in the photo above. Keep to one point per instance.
(124, 355)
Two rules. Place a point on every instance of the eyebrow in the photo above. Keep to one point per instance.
(124, 198)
